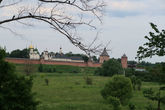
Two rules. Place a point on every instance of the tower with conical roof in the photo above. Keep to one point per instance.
(104, 56)
(124, 61)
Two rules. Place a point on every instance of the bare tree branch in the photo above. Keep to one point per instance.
(49, 12)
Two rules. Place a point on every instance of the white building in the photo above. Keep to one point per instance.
(33, 54)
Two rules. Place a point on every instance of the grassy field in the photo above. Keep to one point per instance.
(70, 92)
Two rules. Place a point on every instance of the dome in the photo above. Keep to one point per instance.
(31, 47)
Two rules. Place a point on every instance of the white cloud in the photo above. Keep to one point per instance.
(126, 5)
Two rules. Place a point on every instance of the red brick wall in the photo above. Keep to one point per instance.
(23, 61)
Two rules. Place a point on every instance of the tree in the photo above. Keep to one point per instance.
(64, 16)
(155, 44)
(155, 96)
(15, 91)
(110, 68)
(118, 88)
(95, 59)
(19, 53)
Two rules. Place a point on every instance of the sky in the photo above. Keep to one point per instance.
(124, 24)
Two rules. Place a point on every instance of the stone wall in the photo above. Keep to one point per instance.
(50, 62)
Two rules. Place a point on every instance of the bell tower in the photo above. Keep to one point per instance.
(104, 56)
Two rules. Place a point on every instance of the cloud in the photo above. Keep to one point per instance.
(123, 8)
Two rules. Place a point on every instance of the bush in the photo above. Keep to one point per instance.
(119, 87)
(109, 68)
(88, 81)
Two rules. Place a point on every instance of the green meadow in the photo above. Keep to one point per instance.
(69, 91)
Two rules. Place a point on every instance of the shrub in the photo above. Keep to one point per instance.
(119, 87)
(109, 68)
(47, 81)
(88, 80)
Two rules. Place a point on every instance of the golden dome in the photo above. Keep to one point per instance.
(31, 47)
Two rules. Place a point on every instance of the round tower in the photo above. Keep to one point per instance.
(124, 61)
(104, 56)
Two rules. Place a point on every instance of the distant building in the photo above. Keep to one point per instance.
(124, 61)
(33, 54)
(59, 57)
(104, 56)
(140, 69)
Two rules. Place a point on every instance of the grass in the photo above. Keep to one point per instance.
(70, 92)
(59, 68)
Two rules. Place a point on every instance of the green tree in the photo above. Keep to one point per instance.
(155, 44)
(85, 58)
(20, 53)
(110, 67)
(15, 91)
(155, 96)
(119, 87)
(95, 59)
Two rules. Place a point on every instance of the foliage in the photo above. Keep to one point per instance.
(70, 92)
(19, 53)
(150, 107)
(155, 44)
(95, 59)
(58, 68)
(119, 87)
(155, 96)
(132, 106)
(115, 102)
(109, 68)
(15, 91)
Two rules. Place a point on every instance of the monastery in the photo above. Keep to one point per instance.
(60, 59)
